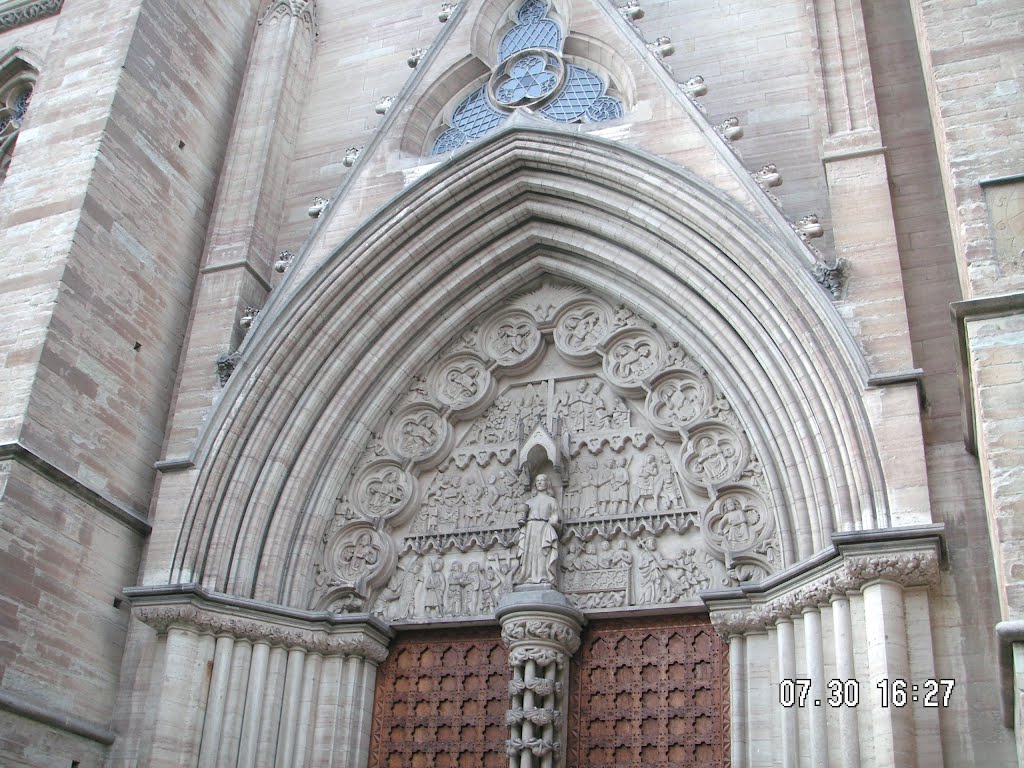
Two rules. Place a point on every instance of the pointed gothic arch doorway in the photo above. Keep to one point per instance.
(645, 692)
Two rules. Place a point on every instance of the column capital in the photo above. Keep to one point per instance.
(194, 609)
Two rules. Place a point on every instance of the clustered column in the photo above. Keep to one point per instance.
(261, 694)
(809, 663)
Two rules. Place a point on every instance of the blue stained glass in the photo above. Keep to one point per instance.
(541, 34)
(528, 80)
(605, 108)
(582, 89)
(21, 105)
(532, 10)
(449, 141)
(475, 116)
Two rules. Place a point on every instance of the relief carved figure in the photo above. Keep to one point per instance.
(736, 524)
(357, 558)
(648, 487)
(539, 522)
(461, 384)
(418, 434)
(715, 454)
(385, 494)
(398, 598)
(632, 360)
(613, 487)
(661, 579)
(433, 587)
(677, 401)
(583, 328)
(739, 531)
(513, 338)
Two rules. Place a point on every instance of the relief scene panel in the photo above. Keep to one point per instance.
(657, 489)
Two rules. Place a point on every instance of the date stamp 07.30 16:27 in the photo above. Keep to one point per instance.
(796, 692)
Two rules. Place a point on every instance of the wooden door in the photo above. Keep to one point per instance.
(644, 693)
(650, 693)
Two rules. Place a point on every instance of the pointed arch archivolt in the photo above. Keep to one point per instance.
(326, 363)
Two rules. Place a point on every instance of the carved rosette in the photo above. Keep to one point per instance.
(464, 384)
(513, 341)
(540, 642)
(580, 329)
(631, 357)
(384, 491)
(419, 433)
(677, 400)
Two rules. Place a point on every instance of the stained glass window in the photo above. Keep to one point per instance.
(541, 34)
(582, 88)
(475, 116)
(543, 81)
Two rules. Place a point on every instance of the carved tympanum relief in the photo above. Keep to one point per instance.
(560, 440)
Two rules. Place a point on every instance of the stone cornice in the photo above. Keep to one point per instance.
(23, 705)
(18, 12)
(18, 452)
(191, 608)
(909, 557)
(977, 309)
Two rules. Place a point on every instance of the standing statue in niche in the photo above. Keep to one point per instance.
(539, 523)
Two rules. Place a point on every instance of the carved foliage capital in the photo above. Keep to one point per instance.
(15, 14)
(909, 569)
(347, 641)
(535, 629)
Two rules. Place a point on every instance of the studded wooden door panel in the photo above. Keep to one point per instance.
(650, 694)
(441, 700)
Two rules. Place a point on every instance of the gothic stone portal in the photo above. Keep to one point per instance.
(660, 489)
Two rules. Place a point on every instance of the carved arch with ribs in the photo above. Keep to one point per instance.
(331, 356)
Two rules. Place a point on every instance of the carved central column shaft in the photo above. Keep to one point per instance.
(541, 629)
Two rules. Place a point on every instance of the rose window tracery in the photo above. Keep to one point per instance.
(530, 73)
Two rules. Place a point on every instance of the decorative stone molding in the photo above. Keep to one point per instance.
(662, 47)
(285, 258)
(447, 9)
(832, 276)
(808, 227)
(190, 608)
(318, 207)
(226, 364)
(909, 569)
(564, 634)
(632, 10)
(731, 130)
(416, 57)
(249, 315)
(695, 87)
(352, 153)
(300, 9)
(914, 564)
(768, 176)
(25, 12)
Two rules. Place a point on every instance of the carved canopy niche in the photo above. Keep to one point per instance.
(662, 490)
